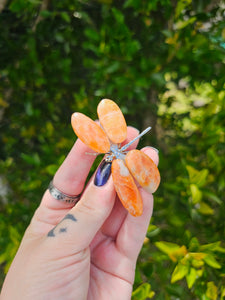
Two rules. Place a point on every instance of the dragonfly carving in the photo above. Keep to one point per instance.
(128, 167)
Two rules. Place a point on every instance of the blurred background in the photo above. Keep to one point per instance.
(162, 61)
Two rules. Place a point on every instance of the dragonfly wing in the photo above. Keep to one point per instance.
(112, 120)
(90, 133)
(143, 169)
(126, 188)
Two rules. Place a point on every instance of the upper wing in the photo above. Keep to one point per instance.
(112, 120)
(90, 133)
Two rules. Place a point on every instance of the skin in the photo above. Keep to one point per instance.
(86, 251)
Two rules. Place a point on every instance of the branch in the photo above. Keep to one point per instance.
(44, 6)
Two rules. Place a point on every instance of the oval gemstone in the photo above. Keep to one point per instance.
(143, 169)
(90, 133)
(103, 173)
(126, 188)
(112, 120)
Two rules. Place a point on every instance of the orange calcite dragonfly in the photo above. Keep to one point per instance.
(127, 167)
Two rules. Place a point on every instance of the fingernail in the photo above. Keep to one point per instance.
(154, 149)
(138, 131)
(103, 173)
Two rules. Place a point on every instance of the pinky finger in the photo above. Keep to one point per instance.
(133, 231)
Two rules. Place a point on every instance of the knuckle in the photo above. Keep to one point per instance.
(87, 208)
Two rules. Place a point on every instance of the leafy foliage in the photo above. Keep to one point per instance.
(163, 63)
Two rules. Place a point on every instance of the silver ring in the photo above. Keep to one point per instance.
(58, 195)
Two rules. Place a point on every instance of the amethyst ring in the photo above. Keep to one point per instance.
(58, 195)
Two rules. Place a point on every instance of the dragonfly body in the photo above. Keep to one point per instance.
(103, 173)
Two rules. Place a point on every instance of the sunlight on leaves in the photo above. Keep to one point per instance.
(179, 272)
(143, 292)
(211, 261)
(212, 291)
(191, 277)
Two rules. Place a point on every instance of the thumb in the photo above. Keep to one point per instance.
(78, 228)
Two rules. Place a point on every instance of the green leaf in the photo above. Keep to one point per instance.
(119, 17)
(214, 247)
(179, 272)
(181, 6)
(112, 67)
(32, 159)
(194, 244)
(191, 277)
(196, 194)
(211, 261)
(3, 257)
(92, 34)
(204, 208)
(51, 169)
(197, 263)
(142, 292)
(181, 24)
(14, 235)
(59, 37)
(167, 247)
(153, 230)
(172, 250)
(46, 13)
(65, 16)
(213, 197)
(147, 269)
(222, 293)
(212, 291)
(197, 177)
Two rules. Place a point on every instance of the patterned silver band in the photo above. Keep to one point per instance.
(58, 195)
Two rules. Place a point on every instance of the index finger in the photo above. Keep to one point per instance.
(71, 175)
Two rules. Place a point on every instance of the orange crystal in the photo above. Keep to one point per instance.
(126, 188)
(90, 133)
(112, 120)
(143, 169)
(126, 168)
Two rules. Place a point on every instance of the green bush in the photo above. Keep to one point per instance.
(163, 63)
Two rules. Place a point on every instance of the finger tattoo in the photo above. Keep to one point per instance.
(52, 232)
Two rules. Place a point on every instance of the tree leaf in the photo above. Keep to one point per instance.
(178, 253)
(222, 293)
(142, 292)
(197, 255)
(167, 247)
(65, 16)
(211, 261)
(179, 272)
(212, 291)
(213, 197)
(205, 209)
(191, 277)
(214, 247)
(196, 194)
(197, 177)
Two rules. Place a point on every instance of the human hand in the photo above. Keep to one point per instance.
(86, 251)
